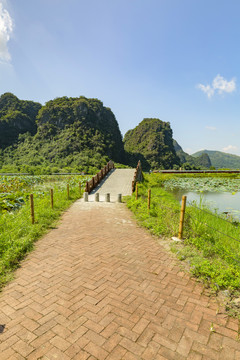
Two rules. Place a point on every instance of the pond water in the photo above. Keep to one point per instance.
(224, 202)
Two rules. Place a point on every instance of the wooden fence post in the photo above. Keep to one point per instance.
(68, 191)
(87, 187)
(32, 208)
(149, 198)
(51, 192)
(133, 186)
(183, 207)
(136, 191)
(80, 187)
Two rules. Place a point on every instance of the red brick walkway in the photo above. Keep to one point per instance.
(100, 287)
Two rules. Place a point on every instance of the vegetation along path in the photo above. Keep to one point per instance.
(100, 287)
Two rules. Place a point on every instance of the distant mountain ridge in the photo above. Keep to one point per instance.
(220, 159)
(199, 161)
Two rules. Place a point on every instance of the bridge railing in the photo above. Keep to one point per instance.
(138, 175)
(91, 184)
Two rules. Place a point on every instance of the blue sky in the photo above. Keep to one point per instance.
(177, 60)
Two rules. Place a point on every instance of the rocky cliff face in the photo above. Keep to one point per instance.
(84, 124)
(16, 117)
(151, 142)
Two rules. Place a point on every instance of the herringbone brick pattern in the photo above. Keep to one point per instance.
(100, 287)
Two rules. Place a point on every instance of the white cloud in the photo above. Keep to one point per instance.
(220, 85)
(6, 29)
(211, 128)
(207, 89)
(230, 148)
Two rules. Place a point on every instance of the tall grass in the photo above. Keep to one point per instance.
(17, 234)
(211, 244)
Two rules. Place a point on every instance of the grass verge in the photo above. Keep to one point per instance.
(17, 235)
(211, 245)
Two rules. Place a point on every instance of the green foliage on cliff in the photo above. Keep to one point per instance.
(77, 134)
(151, 142)
(16, 117)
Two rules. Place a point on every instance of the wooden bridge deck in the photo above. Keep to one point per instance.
(118, 181)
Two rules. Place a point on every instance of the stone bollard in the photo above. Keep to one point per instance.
(85, 196)
(97, 197)
(119, 198)
(107, 197)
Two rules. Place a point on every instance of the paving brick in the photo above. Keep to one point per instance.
(204, 350)
(226, 332)
(56, 353)
(93, 326)
(40, 351)
(227, 354)
(22, 348)
(60, 343)
(45, 327)
(184, 346)
(132, 346)
(61, 331)
(194, 356)
(9, 342)
(72, 350)
(140, 326)
(233, 324)
(168, 354)
(7, 354)
(95, 337)
(124, 332)
(151, 351)
(165, 342)
(117, 353)
(96, 351)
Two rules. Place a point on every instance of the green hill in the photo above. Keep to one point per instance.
(151, 142)
(191, 162)
(74, 133)
(221, 160)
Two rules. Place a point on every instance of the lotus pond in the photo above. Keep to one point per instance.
(15, 190)
(221, 195)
